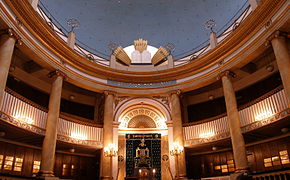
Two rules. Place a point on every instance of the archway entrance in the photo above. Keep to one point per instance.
(142, 138)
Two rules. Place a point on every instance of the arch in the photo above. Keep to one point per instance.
(152, 108)
(141, 121)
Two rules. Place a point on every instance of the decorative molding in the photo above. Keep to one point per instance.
(20, 124)
(120, 99)
(79, 142)
(163, 100)
(142, 85)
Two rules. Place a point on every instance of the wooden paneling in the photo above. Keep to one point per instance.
(256, 155)
(86, 167)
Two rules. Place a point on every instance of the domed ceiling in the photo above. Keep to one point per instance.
(180, 22)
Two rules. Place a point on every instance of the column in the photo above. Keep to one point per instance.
(7, 42)
(237, 138)
(71, 39)
(49, 142)
(172, 164)
(178, 131)
(213, 40)
(98, 103)
(283, 61)
(107, 133)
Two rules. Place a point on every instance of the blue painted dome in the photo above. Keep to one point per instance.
(180, 22)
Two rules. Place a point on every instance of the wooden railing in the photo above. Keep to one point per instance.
(21, 113)
(250, 117)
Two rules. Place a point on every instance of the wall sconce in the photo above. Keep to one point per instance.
(177, 149)
(111, 151)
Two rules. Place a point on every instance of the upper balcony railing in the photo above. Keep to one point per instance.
(266, 111)
(24, 114)
(180, 59)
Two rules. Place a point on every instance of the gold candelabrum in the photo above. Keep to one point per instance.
(176, 150)
(110, 151)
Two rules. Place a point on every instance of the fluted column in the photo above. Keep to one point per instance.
(283, 61)
(7, 43)
(237, 138)
(177, 131)
(49, 142)
(107, 133)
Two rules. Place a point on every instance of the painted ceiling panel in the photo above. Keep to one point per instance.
(180, 22)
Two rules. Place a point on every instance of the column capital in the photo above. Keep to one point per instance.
(178, 92)
(11, 33)
(277, 34)
(169, 123)
(107, 92)
(227, 73)
(116, 124)
(56, 73)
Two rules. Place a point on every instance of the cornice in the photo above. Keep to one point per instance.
(42, 31)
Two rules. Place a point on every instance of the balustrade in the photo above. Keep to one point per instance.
(27, 115)
(267, 111)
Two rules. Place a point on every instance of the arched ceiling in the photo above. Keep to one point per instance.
(180, 22)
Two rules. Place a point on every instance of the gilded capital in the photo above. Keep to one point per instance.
(177, 92)
(277, 34)
(56, 73)
(10, 32)
(227, 73)
(109, 93)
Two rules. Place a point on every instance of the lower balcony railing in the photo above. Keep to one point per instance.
(23, 114)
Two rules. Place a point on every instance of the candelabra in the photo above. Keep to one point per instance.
(176, 151)
(110, 151)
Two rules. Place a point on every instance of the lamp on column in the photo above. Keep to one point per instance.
(177, 149)
(110, 151)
